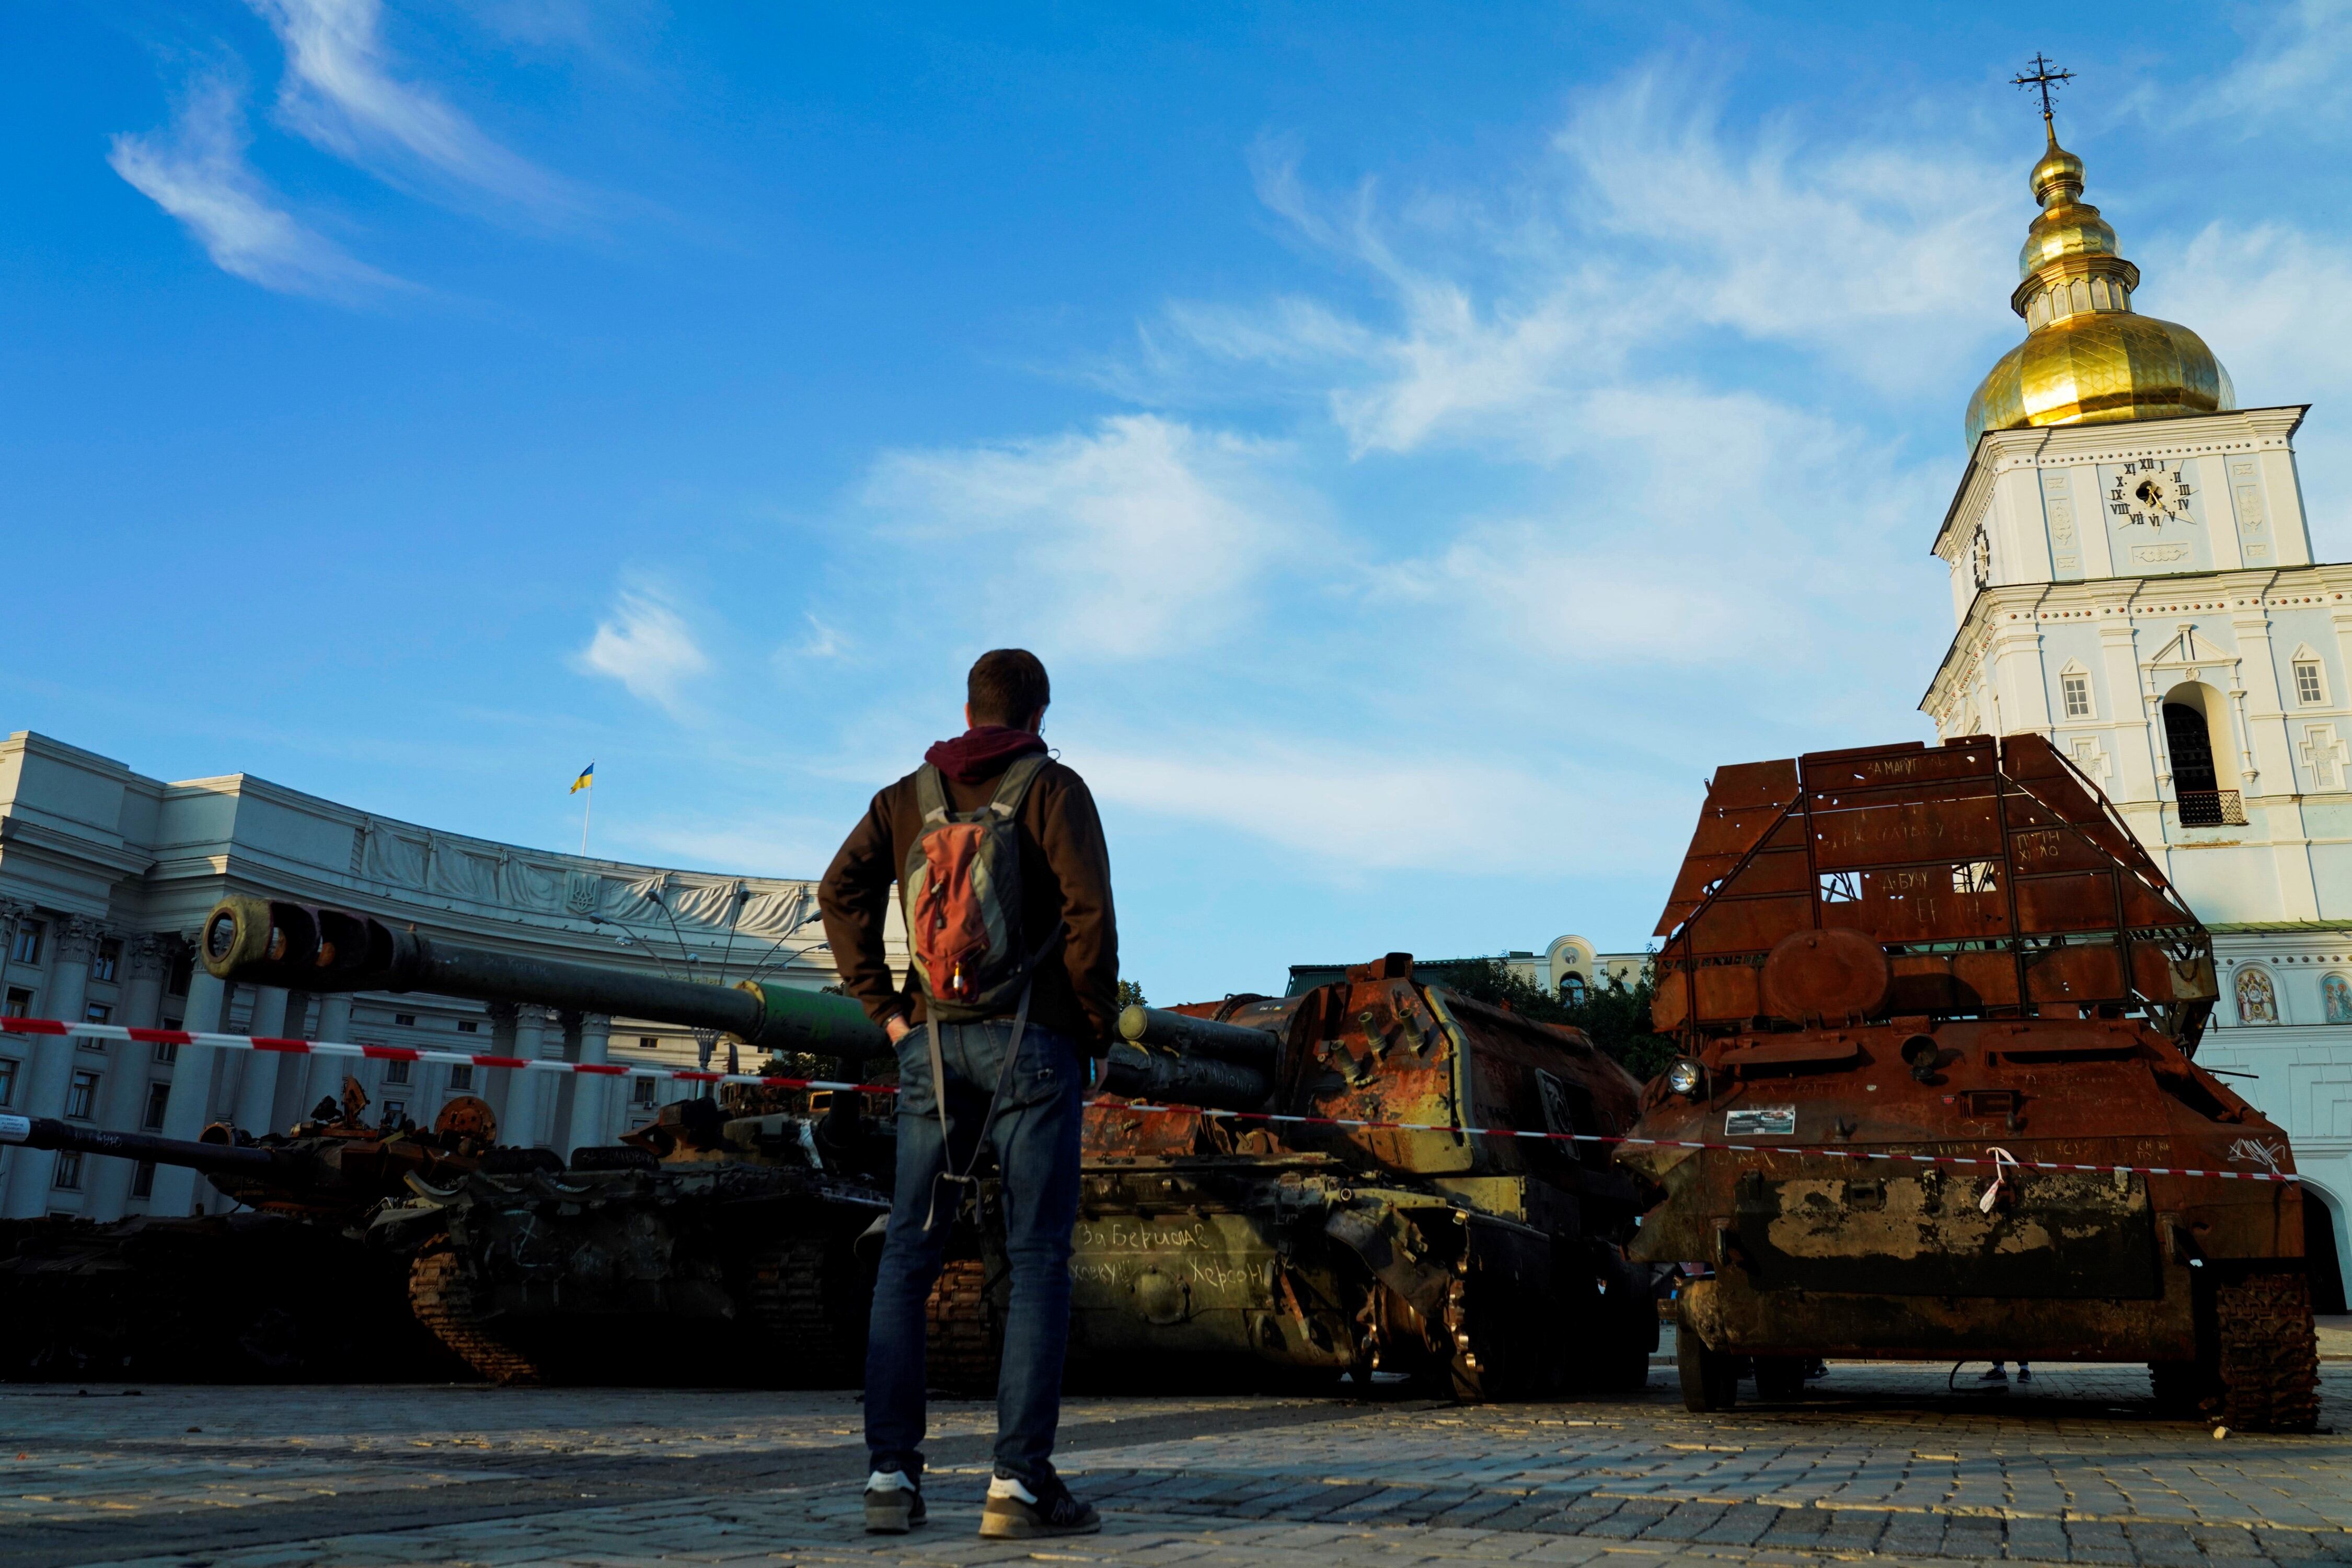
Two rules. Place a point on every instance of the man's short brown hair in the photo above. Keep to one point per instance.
(1007, 686)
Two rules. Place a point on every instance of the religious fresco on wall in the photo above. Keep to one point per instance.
(2257, 1000)
(2336, 991)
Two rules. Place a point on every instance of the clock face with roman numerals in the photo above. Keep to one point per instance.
(2149, 493)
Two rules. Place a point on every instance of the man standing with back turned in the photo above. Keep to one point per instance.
(1001, 867)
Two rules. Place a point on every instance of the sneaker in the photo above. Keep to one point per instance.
(2024, 1372)
(894, 1504)
(1017, 1513)
(1998, 1375)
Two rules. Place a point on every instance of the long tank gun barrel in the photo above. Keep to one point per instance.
(305, 947)
(211, 1159)
(1175, 1058)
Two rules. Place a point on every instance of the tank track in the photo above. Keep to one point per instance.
(794, 1301)
(962, 1352)
(443, 1300)
(2258, 1364)
(2269, 1353)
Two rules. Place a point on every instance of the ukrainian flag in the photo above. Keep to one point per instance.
(587, 777)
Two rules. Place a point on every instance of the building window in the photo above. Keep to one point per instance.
(2306, 682)
(2336, 991)
(470, 1026)
(396, 1072)
(68, 1172)
(461, 1080)
(81, 1096)
(8, 1080)
(648, 1042)
(94, 1013)
(176, 978)
(2257, 998)
(143, 1178)
(645, 1091)
(395, 1112)
(405, 1020)
(159, 1100)
(167, 1053)
(109, 960)
(20, 1003)
(2077, 691)
(26, 948)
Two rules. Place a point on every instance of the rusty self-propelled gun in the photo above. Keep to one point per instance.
(722, 1233)
(1288, 1240)
(1938, 1013)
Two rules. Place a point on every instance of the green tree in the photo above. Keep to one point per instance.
(1616, 1016)
(1130, 994)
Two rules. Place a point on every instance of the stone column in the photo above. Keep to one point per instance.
(192, 1088)
(108, 1181)
(523, 1121)
(50, 1062)
(256, 1093)
(591, 1093)
(327, 1072)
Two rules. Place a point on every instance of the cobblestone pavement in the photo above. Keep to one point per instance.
(1882, 1462)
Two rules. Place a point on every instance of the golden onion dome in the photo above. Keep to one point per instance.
(2088, 358)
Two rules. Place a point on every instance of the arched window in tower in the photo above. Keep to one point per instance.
(2257, 998)
(2335, 993)
(1571, 989)
(2194, 784)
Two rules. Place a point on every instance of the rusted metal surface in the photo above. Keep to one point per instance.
(1487, 1266)
(1953, 954)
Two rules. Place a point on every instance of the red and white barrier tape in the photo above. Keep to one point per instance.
(683, 1075)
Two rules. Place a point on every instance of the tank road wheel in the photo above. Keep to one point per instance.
(1710, 1381)
(809, 1302)
(443, 1301)
(1779, 1377)
(2268, 1358)
(963, 1343)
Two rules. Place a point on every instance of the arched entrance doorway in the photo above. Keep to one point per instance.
(2320, 1256)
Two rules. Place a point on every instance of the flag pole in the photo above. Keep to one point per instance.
(587, 811)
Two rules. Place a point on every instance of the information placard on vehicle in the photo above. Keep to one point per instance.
(1760, 1120)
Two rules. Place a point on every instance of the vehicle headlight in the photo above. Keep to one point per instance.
(1684, 1075)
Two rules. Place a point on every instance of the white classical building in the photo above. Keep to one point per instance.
(105, 874)
(2132, 576)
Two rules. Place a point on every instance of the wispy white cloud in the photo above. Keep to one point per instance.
(341, 91)
(197, 171)
(1508, 312)
(1135, 538)
(646, 645)
(2294, 68)
(1364, 809)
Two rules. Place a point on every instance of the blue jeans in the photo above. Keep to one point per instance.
(1035, 1140)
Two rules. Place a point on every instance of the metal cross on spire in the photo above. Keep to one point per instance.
(2044, 79)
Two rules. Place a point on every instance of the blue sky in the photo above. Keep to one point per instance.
(1423, 440)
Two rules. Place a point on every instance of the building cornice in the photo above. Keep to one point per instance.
(2064, 446)
(2116, 601)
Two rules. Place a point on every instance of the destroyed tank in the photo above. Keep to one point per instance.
(288, 1291)
(1937, 1097)
(1237, 1224)
(718, 1243)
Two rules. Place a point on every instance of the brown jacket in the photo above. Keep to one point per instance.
(1064, 876)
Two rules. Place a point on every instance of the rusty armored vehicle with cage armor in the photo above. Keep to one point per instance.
(1378, 1175)
(1938, 1014)
(720, 1242)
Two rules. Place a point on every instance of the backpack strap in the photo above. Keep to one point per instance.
(1013, 787)
(930, 794)
(964, 1178)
